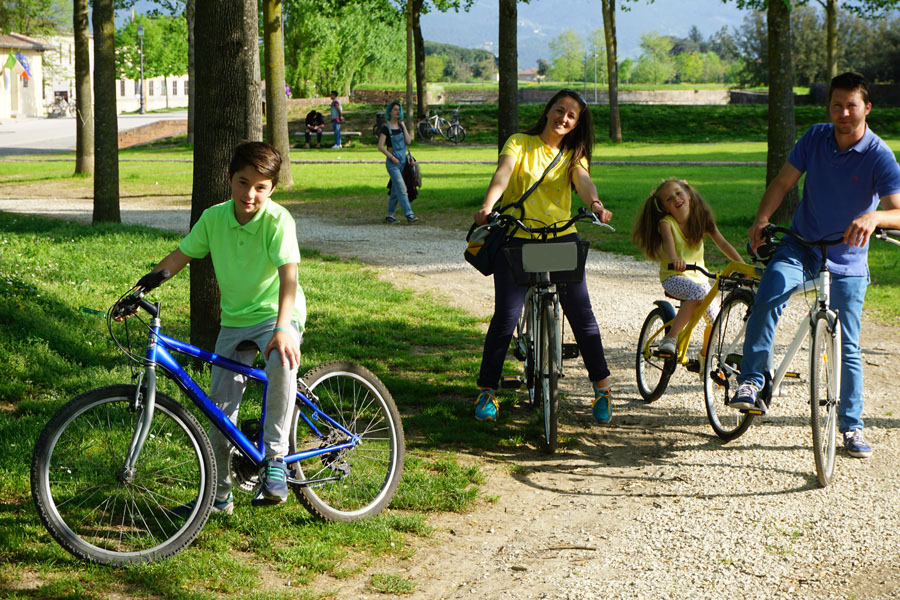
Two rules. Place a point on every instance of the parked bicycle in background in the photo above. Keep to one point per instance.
(434, 124)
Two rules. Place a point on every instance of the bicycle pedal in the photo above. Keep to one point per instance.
(511, 383)
(693, 365)
(663, 355)
(792, 374)
(570, 351)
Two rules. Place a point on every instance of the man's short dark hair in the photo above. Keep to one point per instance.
(334, 93)
(850, 81)
(263, 157)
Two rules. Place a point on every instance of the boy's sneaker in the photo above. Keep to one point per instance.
(486, 407)
(273, 487)
(856, 444)
(411, 218)
(225, 506)
(391, 220)
(667, 347)
(745, 397)
(602, 407)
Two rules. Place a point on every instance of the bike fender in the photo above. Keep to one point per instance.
(667, 308)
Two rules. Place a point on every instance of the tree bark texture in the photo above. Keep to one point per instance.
(106, 132)
(276, 99)
(220, 124)
(782, 131)
(190, 12)
(253, 104)
(830, 39)
(84, 103)
(419, 43)
(612, 65)
(410, 71)
(508, 89)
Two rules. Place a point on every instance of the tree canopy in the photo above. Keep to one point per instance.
(165, 47)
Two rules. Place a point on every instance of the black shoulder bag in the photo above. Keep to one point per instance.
(484, 244)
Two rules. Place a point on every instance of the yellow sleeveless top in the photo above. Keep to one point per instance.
(692, 255)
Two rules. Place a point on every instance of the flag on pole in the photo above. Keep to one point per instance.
(10, 61)
(24, 62)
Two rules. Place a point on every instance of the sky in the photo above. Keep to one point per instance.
(542, 20)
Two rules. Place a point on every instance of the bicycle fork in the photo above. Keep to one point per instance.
(145, 407)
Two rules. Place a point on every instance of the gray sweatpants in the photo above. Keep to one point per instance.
(227, 387)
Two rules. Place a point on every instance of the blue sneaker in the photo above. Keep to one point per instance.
(856, 444)
(225, 506)
(273, 487)
(602, 407)
(486, 407)
(745, 397)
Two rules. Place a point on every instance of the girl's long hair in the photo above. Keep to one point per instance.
(645, 234)
(581, 139)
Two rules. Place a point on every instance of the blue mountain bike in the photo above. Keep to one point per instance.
(125, 474)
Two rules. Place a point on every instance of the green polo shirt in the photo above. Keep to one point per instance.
(246, 260)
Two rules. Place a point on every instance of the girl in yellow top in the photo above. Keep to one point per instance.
(565, 126)
(670, 229)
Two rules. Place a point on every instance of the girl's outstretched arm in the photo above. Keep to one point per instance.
(724, 245)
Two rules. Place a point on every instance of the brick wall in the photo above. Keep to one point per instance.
(153, 131)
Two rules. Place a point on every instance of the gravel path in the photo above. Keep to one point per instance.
(653, 506)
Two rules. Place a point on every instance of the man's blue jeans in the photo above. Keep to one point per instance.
(789, 267)
(336, 127)
(398, 187)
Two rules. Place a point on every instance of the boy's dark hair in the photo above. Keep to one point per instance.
(581, 139)
(261, 156)
(850, 81)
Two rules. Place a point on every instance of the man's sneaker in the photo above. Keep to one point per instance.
(225, 506)
(667, 347)
(856, 444)
(336, 147)
(602, 407)
(486, 407)
(411, 218)
(745, 397)
(391, 220)
(273, 487)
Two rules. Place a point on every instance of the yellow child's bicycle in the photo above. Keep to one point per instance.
(736, 283)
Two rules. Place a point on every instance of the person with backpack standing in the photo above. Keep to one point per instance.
(337, 115)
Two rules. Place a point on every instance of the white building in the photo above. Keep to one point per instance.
(20, 95)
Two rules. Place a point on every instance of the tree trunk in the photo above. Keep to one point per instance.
(276, 99)
(190, 12)
(409, 68)
(84, 103)
(419, 43)
(106, 132)
(612, 65)
(220, 125)
(253, 104)
(830, 39)
(508, 63)
(782, 130)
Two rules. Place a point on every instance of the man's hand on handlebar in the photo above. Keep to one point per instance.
(861, 229)
(755, 233)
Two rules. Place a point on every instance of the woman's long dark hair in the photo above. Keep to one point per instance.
(581, 139)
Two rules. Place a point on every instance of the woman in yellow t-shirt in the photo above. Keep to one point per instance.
(565, 126)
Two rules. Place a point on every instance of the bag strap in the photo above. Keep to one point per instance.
(521, 201)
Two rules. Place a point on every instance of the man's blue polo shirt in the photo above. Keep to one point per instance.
(839, 187)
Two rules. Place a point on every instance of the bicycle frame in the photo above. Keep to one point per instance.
(158, 353)
(528, 331)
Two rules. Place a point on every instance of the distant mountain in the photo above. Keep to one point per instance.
(542, 20)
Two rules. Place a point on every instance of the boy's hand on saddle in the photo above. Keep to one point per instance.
(287, 347)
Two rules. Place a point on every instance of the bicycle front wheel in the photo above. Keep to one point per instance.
(652, 371)
(97, 512)
(424, 129)
(824, 394)
(456, 134)
(723, 363)
(359, 481)
(443, 127)
(548, 363)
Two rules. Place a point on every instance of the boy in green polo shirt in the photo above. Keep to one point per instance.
(253, 245)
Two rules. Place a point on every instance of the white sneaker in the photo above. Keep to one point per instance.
(336, 147)
(667, 347)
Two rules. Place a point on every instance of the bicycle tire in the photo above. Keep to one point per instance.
(723, 364)
(78, 492)
(369, 472)
(652, 371)
(824, 390)
(424, 129)
(456, 134)
(549, 377)
(443, 127)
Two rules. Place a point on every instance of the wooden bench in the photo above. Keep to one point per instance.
(301, 137)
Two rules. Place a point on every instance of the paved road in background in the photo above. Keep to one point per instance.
(30, 136)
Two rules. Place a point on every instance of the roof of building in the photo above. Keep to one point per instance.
(531, 71)
(17, 41)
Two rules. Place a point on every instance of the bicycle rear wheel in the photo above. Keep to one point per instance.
(457, 133)
(824, 394)
(424, 129)
(97, 513)
(443, 127)
(548, 377)
(362, 479)
(652, 371)
(723, 363)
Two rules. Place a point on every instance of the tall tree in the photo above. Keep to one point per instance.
(190, 14)
(419, 47)
(782, 129)
(106, 131)
(567, 56)
(35, 17)
(276, 99)
(612, 68)
(410, 69)
(165, 48)
(220, 125)
(253, 125)
(508, 92)
(84, 105)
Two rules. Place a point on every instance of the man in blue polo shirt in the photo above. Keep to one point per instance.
(848, 170)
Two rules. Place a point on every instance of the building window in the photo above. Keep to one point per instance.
(151, 87)
(175, 88)
(121, 87)
(137, 87)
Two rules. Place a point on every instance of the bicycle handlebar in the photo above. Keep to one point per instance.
(553, 229)
(128, 305)
(671, 267)
(768, 245)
